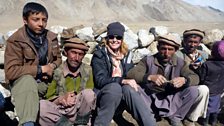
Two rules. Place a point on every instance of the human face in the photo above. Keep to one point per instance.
(166, 52)
(192, 43)
(37, 22)
(74, 57)
(114, 42)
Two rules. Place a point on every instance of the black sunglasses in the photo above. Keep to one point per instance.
(115, 36)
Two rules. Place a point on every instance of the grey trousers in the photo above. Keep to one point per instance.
(112, 95)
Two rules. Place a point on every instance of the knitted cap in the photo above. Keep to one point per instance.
(115, 28)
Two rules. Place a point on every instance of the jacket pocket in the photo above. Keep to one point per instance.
(29, 54)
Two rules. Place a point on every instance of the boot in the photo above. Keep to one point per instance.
(205, 121)
(213, 118)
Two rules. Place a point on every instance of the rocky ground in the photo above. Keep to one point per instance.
(164, 122)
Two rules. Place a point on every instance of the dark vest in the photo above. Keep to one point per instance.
(153, 69)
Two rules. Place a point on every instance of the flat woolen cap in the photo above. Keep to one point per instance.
(218, 50)
(170, 39)
(115, 28)
(76, 43)
(194, 32)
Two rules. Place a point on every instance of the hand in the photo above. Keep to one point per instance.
(131, 82)
(48, 69)
(159, 80)
(67, 100)
(178, 82)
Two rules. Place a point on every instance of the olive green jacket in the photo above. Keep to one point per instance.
(60, 84)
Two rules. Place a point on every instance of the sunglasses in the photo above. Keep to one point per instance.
(115, 36)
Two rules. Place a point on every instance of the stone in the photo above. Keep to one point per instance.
(2, 53)
(212, 35)
(159, 30)
(92, 46)
(153, 47)
(87, 59)
(57, 29)
(144, 38)
(139, 54)
(9, 33)
(131, 39)
(2, 40)
(99, 28)
(85, 34)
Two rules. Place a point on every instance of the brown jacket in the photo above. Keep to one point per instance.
(21, 57)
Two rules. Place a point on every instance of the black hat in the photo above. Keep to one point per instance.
(115, 28)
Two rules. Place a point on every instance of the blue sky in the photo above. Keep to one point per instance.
(218, 4)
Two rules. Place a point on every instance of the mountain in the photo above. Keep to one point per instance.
(123, 10)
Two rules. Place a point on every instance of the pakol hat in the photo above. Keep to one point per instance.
(194, 32)
(76, 43)
(170, 39)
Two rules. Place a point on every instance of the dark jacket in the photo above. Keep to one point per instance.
(21, 57)
(102, 67)
(212, 75)
(151, 66)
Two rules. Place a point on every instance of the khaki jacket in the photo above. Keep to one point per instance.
(21, 57)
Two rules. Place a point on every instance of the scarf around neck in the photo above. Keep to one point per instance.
(41, 44)
(116, 60)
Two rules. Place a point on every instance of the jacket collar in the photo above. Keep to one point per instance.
(21, 35)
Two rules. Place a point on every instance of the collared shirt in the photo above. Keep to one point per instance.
(67, 72)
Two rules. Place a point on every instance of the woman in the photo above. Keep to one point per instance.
(115, 93)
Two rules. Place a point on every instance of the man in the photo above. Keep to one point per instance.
(167, 80)
(195, 57)
(190, 52)
(64, 105)
(31, 55)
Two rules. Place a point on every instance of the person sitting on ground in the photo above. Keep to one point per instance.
(110, 63)
(195, 57)
(167, 80)
(66, 104)
(211, 74)
(31, 55)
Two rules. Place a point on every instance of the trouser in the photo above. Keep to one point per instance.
(199, 108)
(112, 95)
(26, 99)
(174, 106)
(50, 113)
(136, 106)
(108, 99)
(188, 97)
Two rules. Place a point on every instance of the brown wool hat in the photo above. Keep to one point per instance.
(170, 39)
(194, 32)
(76, 43)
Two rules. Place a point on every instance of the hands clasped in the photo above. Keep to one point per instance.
(160, 80)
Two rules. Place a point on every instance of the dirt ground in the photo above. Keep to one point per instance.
(163, 122)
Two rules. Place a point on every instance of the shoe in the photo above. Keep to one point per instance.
(188, 122)
(213, 118)
(176, 123)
